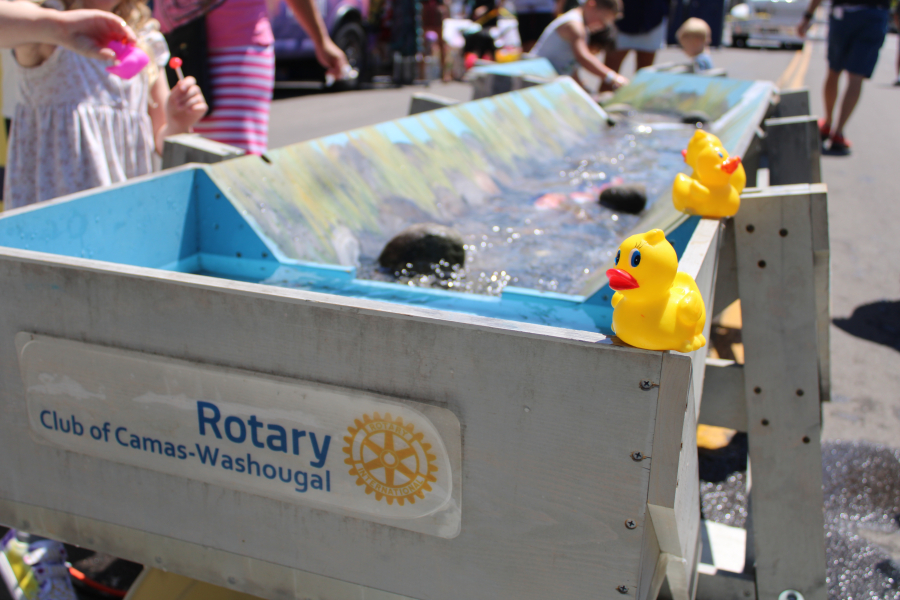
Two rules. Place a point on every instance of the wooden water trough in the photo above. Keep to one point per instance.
(369, 442)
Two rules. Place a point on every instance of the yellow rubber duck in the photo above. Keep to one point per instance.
(655, 307)
(714, 188)
(700, 140)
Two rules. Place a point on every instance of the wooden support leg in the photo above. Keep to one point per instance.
(775, 249)
(191, 148)
(424, 102)
(794, 147)
(793, 103)
(674, 495)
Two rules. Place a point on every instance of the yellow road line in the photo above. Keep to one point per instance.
(800, 74)
(791, 68)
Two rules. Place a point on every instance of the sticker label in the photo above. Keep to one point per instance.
(380, 459)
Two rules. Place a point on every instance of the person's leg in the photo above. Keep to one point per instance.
(839, 36)
(869, 29)
(848, 103)
(644, 59)
(526, 30)
(829, 97)
(896, 18)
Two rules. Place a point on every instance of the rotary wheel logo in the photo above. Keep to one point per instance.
(389, 458)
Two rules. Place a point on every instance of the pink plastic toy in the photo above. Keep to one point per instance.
(131, 60)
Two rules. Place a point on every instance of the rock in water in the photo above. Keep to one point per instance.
(629, 199)
(424, 246)
(694, 117)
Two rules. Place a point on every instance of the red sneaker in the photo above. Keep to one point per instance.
(840, 145)
(824, 130)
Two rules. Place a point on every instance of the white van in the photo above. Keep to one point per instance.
(771, 23)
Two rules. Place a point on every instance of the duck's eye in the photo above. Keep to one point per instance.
(720, 155)
(635, 257)
(618, 256)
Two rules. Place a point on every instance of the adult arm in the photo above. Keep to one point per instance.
(26, 25)
(327, 53)
(803, 27)
(574, 33)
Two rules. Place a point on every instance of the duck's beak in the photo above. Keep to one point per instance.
(731, 164)
(684, 154)
(621, 280)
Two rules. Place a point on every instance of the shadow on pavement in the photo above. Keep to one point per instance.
(878, 322)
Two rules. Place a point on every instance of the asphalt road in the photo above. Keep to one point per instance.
(863, 210)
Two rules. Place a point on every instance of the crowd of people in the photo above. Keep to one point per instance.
(76, 126)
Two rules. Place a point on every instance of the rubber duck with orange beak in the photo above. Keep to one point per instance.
(655, 307)
(714, 189)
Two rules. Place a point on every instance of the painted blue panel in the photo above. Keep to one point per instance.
(535, 67)
(147, 223)
(222, 230)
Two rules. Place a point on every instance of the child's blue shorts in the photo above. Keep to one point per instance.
(855, 39)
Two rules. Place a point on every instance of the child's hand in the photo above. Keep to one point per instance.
(88, 31)
(618, 81)
(185, 106)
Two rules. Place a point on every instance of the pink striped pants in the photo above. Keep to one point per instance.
(242, 78)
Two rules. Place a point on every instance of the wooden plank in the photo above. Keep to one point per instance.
(674, 386)
(751, 157)
(793, 103)
(724, 401)
(822, 268)
(699, 260)
(793, 145)
(673, 496)
(778, 299)
(725, 586)
(653, 571)
(192, 148)
(550, 418)
(424, 102)
(259, 578)
(726, 272)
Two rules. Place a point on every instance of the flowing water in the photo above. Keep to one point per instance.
(548, 232)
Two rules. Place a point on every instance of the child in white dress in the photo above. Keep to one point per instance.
(79, 127)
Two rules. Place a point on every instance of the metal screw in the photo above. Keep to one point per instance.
(790, 595)
(646, 384)
(622, 589)
(630, 524)
(637, 456)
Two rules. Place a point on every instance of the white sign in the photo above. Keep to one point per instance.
(385, 460)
